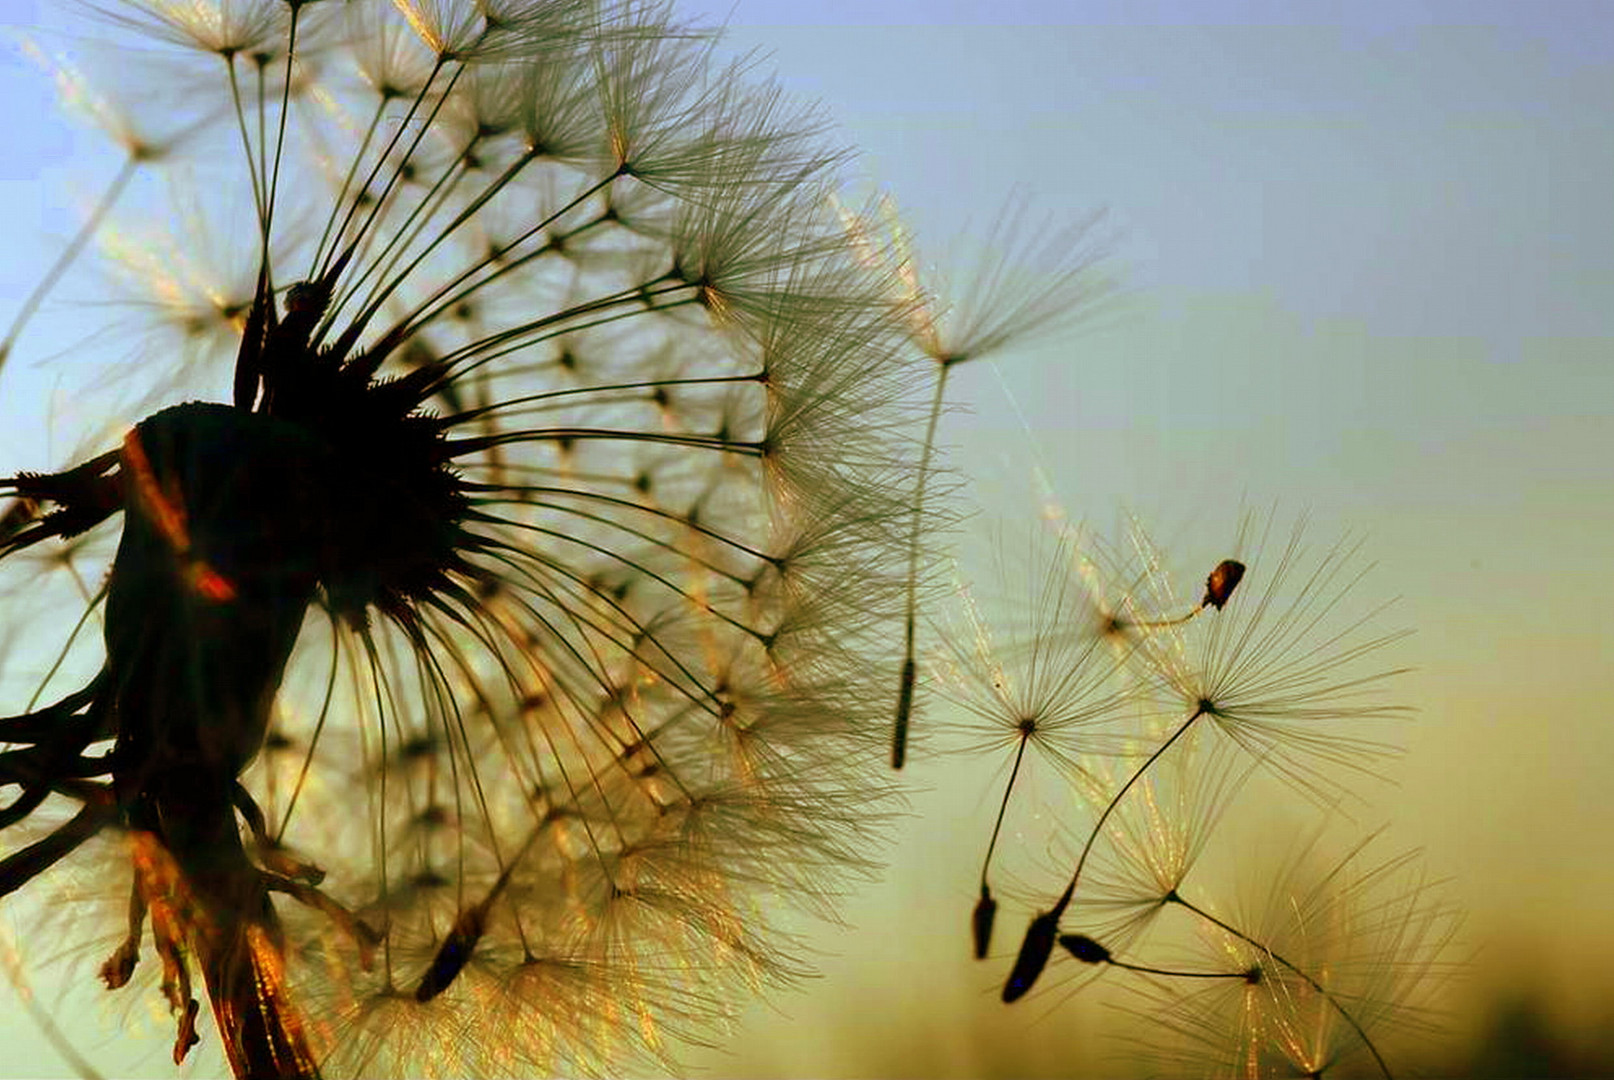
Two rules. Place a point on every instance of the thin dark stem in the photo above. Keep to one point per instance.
(637, 507)
(21, 867)
(641, 299)
(1098, 826)
(375, 170)
(1144, 969)
(313, 741)
(263, 156)
(1014, 773)
(246, 145)
(379, 206)
(910, 667)
(573, 391)
(347, 184)
(280, 134)
(445, 296)
(405, 232)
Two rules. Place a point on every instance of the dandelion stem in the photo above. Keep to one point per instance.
(313, 742)
(445, 296)
(650, 538)
(381, 158)
(425, 126)
(910, 668)
(1098, 826)
(1144, 969)
(441, 189)
(997, 826)
(384, 266)
(461, 447)
(707, 700)
(22, 866)
(626, 504)
(92, 605)
(331, 270)
(246, 145)
(571, 391)
(647, 572)
(262, 162)
(347, 183)
(280, 134)
(521, 333)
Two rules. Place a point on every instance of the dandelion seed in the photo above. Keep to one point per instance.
(1338, 956)
(1035, 949)
(1221, 583)
(982, 919)
(1287, 674)
(1043, 280)
(1084, 948)
(1089, 951)
(1052, 689)
(140, 148)
(1219, 586)
(1155, 838)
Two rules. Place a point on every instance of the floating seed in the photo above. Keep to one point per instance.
(1034, 953)
(981, 919)
(1221, 583)
(1085, 948)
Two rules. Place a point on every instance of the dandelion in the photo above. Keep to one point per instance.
(484, 651)
(1155, 839)
(1037, 281)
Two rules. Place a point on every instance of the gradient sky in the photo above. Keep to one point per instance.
(1369, 258)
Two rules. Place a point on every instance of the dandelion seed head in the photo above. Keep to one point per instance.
(144, 138)
(590, 433)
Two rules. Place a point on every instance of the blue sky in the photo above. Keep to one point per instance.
(1370, 254)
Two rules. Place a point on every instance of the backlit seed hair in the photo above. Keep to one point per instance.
(487, 646)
